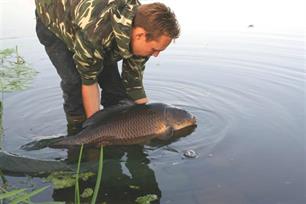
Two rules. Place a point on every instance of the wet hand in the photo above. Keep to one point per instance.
(141, 101)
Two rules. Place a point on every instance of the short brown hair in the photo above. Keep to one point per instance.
(156, 19)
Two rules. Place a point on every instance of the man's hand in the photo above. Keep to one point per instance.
(91, 99)
(141, 101)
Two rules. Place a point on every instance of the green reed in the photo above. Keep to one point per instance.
(19, 195)
(98, 181)
(99, 177)
(77, 187)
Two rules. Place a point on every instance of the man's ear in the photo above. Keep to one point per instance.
(139, 33)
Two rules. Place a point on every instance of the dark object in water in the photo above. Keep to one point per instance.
(17, 165)
(126, 125)
(29, 166)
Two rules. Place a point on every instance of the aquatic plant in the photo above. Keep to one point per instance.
(65, 179)
(147, 199)
(98, 181)
(16, 196)
(77, 187)
(87, 192)
(15, 73)
(99, 176)
(4, 181)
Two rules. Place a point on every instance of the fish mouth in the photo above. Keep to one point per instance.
(184, 131)
(185, 127)
(191, 121)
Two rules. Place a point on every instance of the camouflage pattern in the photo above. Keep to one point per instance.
(92, 30)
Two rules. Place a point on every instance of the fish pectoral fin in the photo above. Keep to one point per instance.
(145, 142)
(167, 134)
(105, 141)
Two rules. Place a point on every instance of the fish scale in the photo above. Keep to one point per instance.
(119, 130)
(128, 131)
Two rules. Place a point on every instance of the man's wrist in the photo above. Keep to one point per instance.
(141, 101)
(91, 98)
(136, 94)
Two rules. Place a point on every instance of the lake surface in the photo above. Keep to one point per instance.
(240, 71)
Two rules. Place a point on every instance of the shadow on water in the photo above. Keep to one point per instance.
(126, 175)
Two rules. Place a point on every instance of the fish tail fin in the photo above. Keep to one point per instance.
(40, 144)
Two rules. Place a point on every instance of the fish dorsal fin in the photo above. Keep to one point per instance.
(100, 116)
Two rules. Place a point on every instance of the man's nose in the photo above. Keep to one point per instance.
(155, 54)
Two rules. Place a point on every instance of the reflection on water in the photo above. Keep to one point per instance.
(246, 85)
(126, 175)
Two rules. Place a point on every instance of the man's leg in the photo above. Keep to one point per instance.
(62, 59)
(111, 84)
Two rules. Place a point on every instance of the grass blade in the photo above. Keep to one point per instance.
(26, 196)
(99, 177)
(77, 187)
(11, 193)
(51, 202)
(4, 181)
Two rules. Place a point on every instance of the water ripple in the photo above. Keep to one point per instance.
(223, 83)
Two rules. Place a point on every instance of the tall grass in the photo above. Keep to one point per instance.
(98, 181)
(17, 196)
(77, 187)
(99, 177)
(22, 196)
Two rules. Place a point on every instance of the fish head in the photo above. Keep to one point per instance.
(181, 121)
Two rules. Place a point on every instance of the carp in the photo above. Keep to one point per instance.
(127, 125)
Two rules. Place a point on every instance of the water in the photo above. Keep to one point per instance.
(245, 84)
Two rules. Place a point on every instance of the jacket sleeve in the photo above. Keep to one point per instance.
(132, 76)
(88, 60)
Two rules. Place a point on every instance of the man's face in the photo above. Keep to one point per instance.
(142, 47)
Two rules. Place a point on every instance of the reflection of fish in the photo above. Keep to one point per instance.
(136, 124)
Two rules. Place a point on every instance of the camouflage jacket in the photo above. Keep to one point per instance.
(94, 30)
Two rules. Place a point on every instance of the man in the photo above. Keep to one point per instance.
(84, 39)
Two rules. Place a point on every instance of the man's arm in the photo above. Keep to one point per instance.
(132, 76)
(91, 99)
(88, 65)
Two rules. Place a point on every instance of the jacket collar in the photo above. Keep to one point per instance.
(122, 20)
